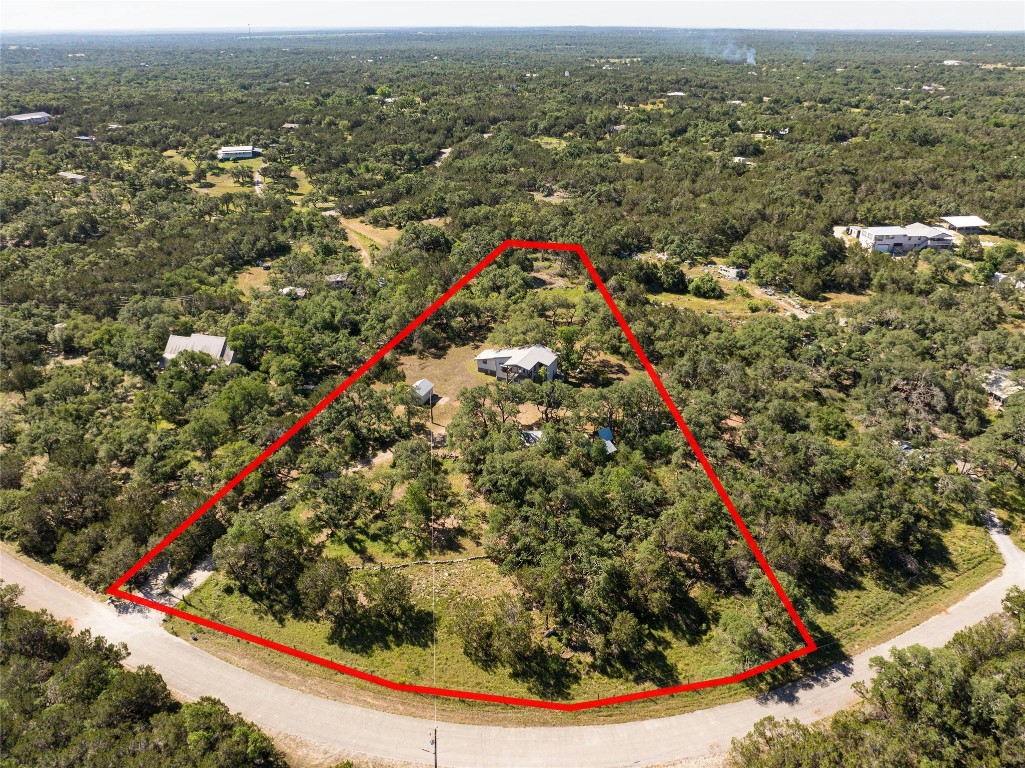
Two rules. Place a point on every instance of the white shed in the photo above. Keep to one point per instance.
(423, 391)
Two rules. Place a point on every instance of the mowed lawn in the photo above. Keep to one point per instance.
(858, 619)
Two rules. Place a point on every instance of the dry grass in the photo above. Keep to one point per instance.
(379, 236)
(252, 280)
(450, 373)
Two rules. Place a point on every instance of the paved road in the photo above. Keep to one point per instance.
(334, 731)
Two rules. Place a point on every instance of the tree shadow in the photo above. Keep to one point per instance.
(900, 572)
(367, 632)
(785, 683)
(545, 674)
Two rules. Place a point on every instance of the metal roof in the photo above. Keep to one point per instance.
(528, 357)
(215, 346)
(965, 221)
(29, 116)
(422, 387)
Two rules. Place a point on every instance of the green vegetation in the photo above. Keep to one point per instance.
(960, 705)
(66, 700)
(859, 443)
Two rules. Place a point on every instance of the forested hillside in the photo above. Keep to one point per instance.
(850, 422)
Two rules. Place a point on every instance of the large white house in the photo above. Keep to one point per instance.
(30, 118)
(518, 364)
(238, 153)
(215, 346)
(897, 240)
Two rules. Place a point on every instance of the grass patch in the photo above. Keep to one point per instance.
(550, 142)
(371, 236)
(252, 280)
(860, 619)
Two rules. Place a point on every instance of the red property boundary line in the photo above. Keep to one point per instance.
(116, 589)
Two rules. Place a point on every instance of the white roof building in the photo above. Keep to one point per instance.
(215, 346)
(962, 223)
(423, 391)
(74, 178)
(237, 153)
(899, 240)
(518, 363)
(30, 118)
(999, 386)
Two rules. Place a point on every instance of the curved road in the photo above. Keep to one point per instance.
(332, 731)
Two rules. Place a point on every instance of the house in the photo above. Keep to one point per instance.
(337, 280)
(1000, 277)
(238, 153)
(74, 178)
(732, 273)
(999, 386)
(605, 435)
(215, 346)
(422, 392)
(898, 240)
(964, 225)
(290, 126)
(517, 364)
(30, 118)
(293, 292)
(85, 139)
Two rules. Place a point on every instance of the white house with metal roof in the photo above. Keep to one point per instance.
(215, 346)
(238, 153)
(30, 118)
(964, 225)
(518, 364)
(897, 240)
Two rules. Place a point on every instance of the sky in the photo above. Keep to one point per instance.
(227, 15)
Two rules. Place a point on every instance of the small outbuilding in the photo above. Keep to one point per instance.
(605, 435)
(964, 225)
(74, 178)
(423, 392)
(732, 273)
(999, 386)
(337, 280)
(294, 293)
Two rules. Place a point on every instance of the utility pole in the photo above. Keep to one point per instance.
(434, 745)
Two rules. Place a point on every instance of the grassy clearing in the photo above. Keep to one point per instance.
(733, 304)
(304, 187)
(858, 620)
(449, 373)
(550, 142)
(369, 234)
(252, 280)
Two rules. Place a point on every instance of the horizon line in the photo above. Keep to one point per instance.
(497, 28)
